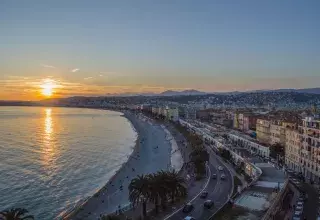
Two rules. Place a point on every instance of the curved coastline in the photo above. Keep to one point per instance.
(72, 212)
(86, 209)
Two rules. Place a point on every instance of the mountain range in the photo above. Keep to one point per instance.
(165, 93)
(196, 92)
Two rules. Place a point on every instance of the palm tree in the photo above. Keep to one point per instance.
(199, 153)
(110, 217)
(155, 189)
(163, 190)
(139, 192)
(15, 214)
(176, 185)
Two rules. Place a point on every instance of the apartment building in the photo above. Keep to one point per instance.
(245, 121)
(278, 131)
(310, 148)
(293, 149)
(263, 130)
(166, 112)
(172, 114)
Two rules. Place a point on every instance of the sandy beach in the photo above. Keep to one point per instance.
(152, 153)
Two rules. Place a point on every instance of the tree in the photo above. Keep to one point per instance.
(199, 156)
(176, 185)
(155, 188)
(15, 214)
(225, 154)
(139, 192)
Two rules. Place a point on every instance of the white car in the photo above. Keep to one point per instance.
(223, 177)
(220, 168)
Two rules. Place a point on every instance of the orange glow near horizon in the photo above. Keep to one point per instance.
(48, 86)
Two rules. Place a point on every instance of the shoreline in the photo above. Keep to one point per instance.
(142, 135)
(76, 209)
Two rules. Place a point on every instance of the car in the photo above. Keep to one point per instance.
(297, 213)
(204, 195)
(220, 168)
(187, 208)
(296, 218)
(223, 177)
(299, 203)
(300, 199)
(299, 208)
(208, 204)
(189, 218)
(214, 176)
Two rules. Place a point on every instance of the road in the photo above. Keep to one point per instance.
(218, 190)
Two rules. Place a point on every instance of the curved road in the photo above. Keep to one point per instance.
(218, 190)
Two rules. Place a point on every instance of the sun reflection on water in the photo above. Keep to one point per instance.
(48, 123)
(49, 149)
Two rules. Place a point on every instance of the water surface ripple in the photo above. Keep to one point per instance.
(51, 158)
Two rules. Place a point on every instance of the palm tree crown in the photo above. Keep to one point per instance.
(155, 188)
(15, 214)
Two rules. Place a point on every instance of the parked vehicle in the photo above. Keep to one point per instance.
(214, 176)
(220, 168)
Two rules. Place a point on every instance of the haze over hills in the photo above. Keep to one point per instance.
(196, 92)
(170, 93)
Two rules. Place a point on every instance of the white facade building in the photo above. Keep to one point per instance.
(310, 148)
(293, 150)
(259, 149)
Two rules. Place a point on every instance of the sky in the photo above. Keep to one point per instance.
(105, 47)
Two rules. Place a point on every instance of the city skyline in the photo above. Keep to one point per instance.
(61, 49)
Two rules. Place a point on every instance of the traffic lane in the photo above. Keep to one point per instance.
(220, 197)
(198, 202)
(218, 192)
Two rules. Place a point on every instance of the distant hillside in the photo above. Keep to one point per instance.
(181, 93)
(307, 90)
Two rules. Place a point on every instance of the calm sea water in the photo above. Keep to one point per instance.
(51, 158)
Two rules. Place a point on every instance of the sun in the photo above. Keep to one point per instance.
(48, 86)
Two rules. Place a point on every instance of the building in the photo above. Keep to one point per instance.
(293, 149)
(263, 130)
(154, 110)
(278, 131)
(172, 114)
(259, 149)
(245, 121)
(310, 148)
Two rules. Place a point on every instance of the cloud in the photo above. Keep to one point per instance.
(100, 75)
(75, 70)
(88, 78)
(48, 66)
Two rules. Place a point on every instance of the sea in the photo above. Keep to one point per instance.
(53, 158)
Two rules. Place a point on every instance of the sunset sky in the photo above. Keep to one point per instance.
(66, 48)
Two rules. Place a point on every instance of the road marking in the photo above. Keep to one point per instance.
(232, 181)
(207, 183)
